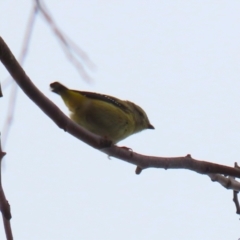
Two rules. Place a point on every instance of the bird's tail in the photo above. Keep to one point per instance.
(57, 87)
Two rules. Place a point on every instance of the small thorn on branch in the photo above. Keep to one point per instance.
(138, 170)
(236, 165)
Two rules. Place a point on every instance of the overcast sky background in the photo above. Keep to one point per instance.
(178, 60)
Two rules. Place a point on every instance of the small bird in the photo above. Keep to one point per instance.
(103, 115)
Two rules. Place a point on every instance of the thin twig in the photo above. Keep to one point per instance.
(25, 45)
(68, 46)
(235, 194)
(1, 91)
(4, 205)
(227, 182)
(28, 34)
(236, 202)
(14, 90)
(11, 108)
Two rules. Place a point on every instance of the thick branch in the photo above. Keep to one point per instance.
(65, 123)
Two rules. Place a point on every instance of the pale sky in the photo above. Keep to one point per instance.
(178, 60)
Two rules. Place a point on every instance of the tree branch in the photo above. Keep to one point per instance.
(227, 182)
(13, 96)
(50, 109)
(1, 91)
(236, 202)
(72, 51)
(4, 205)
(141, 161)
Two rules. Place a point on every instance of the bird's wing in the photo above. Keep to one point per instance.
(109, 99)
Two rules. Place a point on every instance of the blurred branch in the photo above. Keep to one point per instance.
(4, 205)
(142, 161)
(14, 90)
(9, 118)
(28, 35)
(68, 46)
(26, 41)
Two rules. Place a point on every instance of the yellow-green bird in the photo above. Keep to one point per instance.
(103, 115)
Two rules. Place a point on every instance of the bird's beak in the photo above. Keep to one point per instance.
(150, 126)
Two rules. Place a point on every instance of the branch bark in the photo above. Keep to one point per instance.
(4, 205)
(141, 161)
(1, 91)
